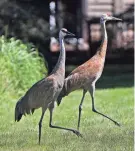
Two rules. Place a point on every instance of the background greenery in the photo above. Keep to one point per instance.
(20, 68)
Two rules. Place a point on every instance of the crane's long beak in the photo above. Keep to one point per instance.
(114, 18)
(70, 34)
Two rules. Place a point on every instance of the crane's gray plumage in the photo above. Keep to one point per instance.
(34, 98)
(45, 92)
(85, 76)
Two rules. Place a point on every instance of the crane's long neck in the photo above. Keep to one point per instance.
(60, 66)
(103, 47)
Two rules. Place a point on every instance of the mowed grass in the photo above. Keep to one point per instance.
(99, 134)
(114, 97)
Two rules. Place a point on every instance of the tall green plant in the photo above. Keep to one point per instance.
(20, 67)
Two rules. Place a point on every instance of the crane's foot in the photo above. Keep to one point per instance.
(117, 124)
(77, 133)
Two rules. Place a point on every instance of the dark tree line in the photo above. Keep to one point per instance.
(27, 20)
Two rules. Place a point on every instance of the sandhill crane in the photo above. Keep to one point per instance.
(45, 92)
(85, 76)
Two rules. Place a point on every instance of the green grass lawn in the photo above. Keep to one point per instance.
(99, 134)
(113, 97)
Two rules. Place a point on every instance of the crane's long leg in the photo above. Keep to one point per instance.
(40, 123)
(92, 90)
(80, 108)
(52, 126)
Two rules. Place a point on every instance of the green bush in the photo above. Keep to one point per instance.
(20, 67)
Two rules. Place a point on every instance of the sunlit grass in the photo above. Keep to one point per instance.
(99, 134)
(20, 69)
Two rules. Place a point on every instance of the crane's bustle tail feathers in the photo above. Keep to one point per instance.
(65, 90)
(59, 100)
(61, 95)
(22, 109)
(18, 112)
(32, 111)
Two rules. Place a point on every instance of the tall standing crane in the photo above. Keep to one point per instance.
(85, 76)
(45, 92)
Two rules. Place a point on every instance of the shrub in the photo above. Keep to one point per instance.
(20, 67)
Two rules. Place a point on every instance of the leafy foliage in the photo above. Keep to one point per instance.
(27, 20)
(20, 67)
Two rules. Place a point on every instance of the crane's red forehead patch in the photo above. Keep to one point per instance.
(63, 29)
(109, 14)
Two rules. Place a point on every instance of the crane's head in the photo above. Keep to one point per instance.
(64, 32)
(106, 17)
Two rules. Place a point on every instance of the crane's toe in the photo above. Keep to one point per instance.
(117, 124)
(77, 133)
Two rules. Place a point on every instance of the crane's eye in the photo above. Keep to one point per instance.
(63, 31)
